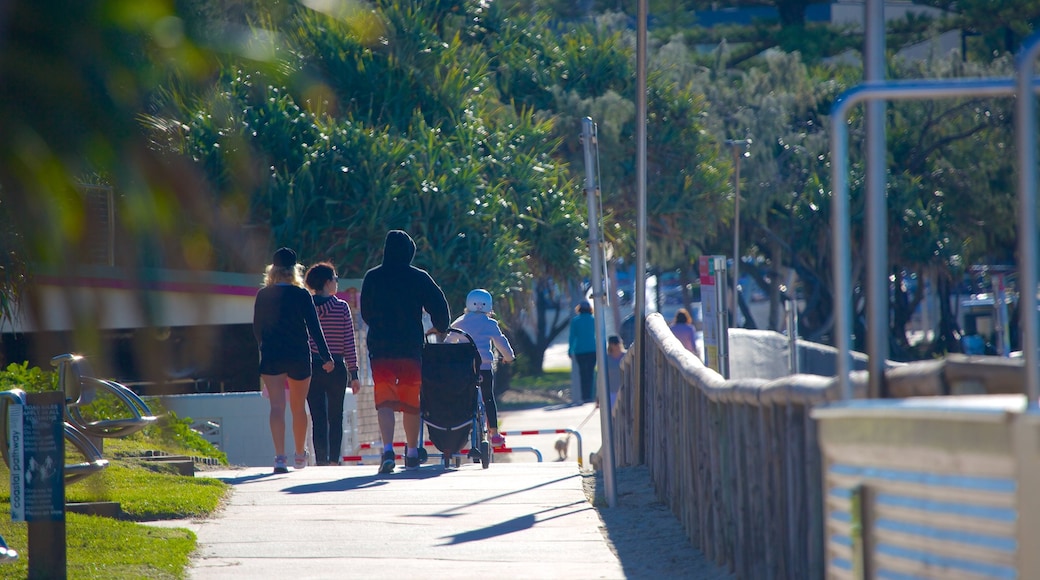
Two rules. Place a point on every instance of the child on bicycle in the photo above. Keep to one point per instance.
(477, 322)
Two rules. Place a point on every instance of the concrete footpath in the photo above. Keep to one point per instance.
(519, 518)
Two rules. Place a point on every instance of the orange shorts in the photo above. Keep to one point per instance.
(397, 384)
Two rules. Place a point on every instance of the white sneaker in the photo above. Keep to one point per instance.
(300, 460)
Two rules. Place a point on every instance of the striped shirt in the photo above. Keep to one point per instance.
(338, 327)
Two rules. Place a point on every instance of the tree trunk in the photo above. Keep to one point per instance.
(948, 339)
(791, 12)
(530, 350)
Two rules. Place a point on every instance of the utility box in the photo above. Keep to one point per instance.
(931, 487)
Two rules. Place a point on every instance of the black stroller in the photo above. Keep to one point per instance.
(451, 404)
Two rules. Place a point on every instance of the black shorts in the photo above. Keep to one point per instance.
(297, 369)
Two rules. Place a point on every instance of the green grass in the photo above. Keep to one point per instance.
(104, 548)
(146, 494)
(547, 381)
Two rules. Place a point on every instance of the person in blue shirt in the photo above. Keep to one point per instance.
(582, 348)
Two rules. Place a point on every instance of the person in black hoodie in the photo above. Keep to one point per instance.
(393, 297)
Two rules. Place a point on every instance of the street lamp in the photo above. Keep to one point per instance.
(739, 148)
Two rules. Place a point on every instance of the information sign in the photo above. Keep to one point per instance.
(37, 462)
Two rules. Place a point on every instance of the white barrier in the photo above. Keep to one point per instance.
(237, 424)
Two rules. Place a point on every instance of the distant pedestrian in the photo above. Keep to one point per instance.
(477, 322)
(327, 391)
(284, 320)
(615, 352)
(393, 297)
(582, 348)
(683, 329)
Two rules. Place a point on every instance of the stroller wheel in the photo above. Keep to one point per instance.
(424, 456)
(446, 460)
(485, 454)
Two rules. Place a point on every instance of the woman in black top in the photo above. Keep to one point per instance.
(283, 319)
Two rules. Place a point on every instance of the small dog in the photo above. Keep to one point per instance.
(596, 461)
(561, 448)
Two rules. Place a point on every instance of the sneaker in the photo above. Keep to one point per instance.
(388, 464)
(279, 464)
(498, 441)
(300, 460)
(411, 463)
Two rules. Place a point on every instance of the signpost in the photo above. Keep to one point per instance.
(713, 303)
(37, 455)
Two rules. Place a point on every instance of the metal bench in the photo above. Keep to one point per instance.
(81, 389)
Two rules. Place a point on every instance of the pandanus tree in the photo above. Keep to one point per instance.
(385, 119)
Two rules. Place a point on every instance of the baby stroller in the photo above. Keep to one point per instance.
(451, 405)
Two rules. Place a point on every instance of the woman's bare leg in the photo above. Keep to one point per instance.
(298, 410)
(276, 396)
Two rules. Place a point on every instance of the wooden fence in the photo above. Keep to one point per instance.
(738, 462)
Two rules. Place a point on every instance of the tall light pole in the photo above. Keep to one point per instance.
(640, 286)
(875, 180)
(739, 149)
(599, 294)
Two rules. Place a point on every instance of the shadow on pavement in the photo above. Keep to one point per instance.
(362, 482)
(448, 512)
(250, 478)
(516, 524)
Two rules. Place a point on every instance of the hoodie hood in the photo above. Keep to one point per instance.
(398, 249)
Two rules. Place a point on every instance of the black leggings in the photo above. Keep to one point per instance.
(586, 370)
(325, 399)
(487, 390)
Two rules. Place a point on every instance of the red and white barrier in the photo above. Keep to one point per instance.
(577, 436)
(360, 459)
(512, 433)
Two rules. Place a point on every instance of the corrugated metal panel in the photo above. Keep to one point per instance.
(923, 524)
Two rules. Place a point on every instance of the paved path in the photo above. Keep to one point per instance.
(516, 519)
(509, 521)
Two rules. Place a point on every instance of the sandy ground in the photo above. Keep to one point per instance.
(647, 538)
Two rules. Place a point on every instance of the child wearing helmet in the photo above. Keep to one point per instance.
(477, 322)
